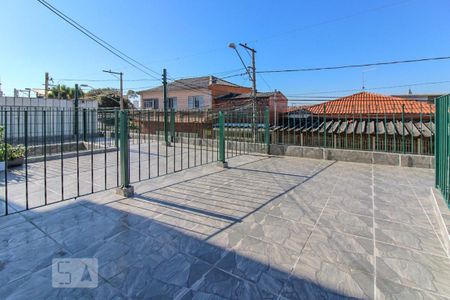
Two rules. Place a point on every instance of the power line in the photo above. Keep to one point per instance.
(276, 35)
(98, 40)
(333, 20)
(102, 80)
(356, 65)
(374, 88)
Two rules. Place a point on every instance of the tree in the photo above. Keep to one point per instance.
(63, 92)
(107, 97)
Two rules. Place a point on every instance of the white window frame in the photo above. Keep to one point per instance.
(152, 102)
(171, 101)
(196, 102)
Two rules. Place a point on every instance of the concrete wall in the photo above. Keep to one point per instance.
(12, 116)
(380, 158)
(40, 102)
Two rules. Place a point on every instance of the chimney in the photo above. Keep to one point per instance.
(212, 80)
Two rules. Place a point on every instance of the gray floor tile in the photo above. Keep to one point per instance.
(348, 223)
(417, 238)
(407, 267)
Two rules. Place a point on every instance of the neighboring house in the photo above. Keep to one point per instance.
(276, 101)
(371, 105)
(365, 121)
(190, 93)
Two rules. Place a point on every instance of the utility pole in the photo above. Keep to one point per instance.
(47, 78)
(166, 125)
(275, 104)
(122, 102)
(76, 119)
(252, 78)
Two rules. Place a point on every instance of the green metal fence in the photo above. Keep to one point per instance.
(66, 153)
(442, 151)
(385, 128)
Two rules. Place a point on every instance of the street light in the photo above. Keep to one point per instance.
(252, 77)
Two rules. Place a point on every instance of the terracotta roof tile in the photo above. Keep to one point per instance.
(371, 103)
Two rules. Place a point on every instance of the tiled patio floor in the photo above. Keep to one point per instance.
(266, 228)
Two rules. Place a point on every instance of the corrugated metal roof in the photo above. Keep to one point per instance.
(365, 127)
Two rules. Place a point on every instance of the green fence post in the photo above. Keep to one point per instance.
(172, 125)
(116, 128)
(166, 117)
(403, 130)
(76, 116)
(125, 188)
(267, 130)
(324, 125)
(222, 162)
(84, 124)
(436, 134)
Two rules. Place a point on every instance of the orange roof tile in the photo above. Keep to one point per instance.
(371, 103)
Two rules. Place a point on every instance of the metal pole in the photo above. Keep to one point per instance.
(222, 161)
(254, 94)
(267, 130)
(166, 128)
(122, 102)
(125, 188)
(46, 85)
(275, 117)
(75, 128)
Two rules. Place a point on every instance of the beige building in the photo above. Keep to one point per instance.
(190, 93)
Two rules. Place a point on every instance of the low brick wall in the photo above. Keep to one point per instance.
(379, 158)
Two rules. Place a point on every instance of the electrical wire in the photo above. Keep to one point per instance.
(356, 65)
(374, 88)
(102, 80)
(99, 40)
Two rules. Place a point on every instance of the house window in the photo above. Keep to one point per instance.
(196, 102)
(151, 103)
(172, 103)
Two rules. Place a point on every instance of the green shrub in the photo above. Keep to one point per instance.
(13, 152)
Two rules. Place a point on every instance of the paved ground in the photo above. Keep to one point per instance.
(55, 180)
(266, 228)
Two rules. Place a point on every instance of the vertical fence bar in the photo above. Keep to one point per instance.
(105, 150)
(85, 122)
(148, 144)
(91, 129)
(221, 139)
(139, 143)
(172, 135)
(267, 129)
(394, 121)
(25, 116)
(158, 142)
(189, 126)
(420, 150)
(116, 141)
(324, 125)
(403, 130)
(44, 121)
(5, 158)
(62, 153)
